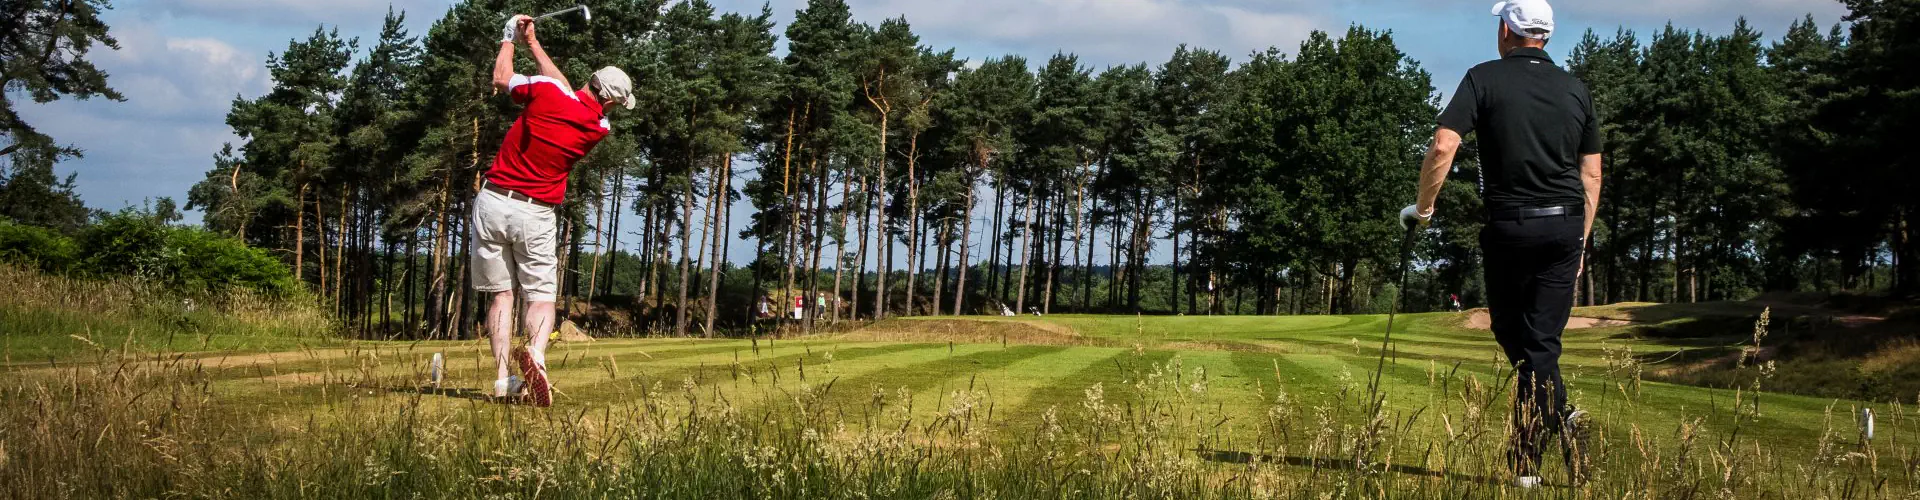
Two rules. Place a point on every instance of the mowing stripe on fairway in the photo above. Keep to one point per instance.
(1070, 391)
(952, 373)
(1015, 385)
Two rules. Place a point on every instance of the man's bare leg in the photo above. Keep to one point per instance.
(540, 325)
(500, 326)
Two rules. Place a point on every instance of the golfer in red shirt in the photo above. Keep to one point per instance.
(513, 214)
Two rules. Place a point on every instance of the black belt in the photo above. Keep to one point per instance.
(515, 195)
(1530, 213)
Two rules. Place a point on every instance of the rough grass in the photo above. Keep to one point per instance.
(1070, 406)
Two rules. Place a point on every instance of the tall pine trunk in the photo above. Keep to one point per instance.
(880, 203)
(860, 262)
(914, 241)
(1059, 239)
(992, 239)
(940, 271)
(722, 187)
(966, 231)
(686, 256)
(817, 240)
(1026, 253)
(840, 244)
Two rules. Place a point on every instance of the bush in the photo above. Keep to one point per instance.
(201, 260)
(124, 244)
(36, 247)
(184, 258)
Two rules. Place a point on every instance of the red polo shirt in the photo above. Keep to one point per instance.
(558, 128)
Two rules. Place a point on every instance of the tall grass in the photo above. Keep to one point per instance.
(137, 425)
(48, 315)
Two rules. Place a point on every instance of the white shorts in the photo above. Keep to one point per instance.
(513, 238)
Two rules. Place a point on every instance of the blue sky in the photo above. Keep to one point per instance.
(183, 61)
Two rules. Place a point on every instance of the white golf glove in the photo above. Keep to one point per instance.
(512, 34)
(1411, 216)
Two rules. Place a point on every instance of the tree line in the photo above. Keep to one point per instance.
(880, 170)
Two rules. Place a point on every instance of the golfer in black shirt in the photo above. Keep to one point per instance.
(1540, 179)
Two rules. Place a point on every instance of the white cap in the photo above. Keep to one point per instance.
(1527, 18)
(614, 85)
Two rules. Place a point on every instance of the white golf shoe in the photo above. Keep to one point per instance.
(1526, 482)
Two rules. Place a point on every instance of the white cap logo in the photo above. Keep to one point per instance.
(1527, 18)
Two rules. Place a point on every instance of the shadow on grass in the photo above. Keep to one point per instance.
(467, 394)
(1241, 457)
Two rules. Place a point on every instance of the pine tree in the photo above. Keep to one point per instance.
(43, 55)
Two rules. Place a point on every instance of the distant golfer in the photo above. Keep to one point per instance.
(513, 214)
(1540, 179)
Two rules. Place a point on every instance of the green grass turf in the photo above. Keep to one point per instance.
(1320, 363)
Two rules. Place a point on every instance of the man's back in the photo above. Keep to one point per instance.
(558, 127)
(1535, 122)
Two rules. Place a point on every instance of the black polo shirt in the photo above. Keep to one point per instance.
(1535, 122)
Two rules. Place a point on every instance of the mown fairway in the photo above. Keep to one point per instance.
(1203, 400)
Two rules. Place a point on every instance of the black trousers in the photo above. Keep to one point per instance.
(1531, 268)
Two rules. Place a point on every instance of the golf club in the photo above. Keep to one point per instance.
(1406, 260)
(585, 13)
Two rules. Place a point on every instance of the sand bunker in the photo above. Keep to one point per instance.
(1478, 319)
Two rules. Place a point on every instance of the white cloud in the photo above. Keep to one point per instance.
(1771, 16)
(299, 12)
(1103, 32)
(162, 139)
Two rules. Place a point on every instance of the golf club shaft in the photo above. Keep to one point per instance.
(560, 12)
(1393, 309)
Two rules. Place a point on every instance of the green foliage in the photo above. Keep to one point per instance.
(36, 247)
(43, 56)
(31, 194)
(188, 259)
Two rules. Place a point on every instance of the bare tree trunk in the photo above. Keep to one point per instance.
(914, 238)
(885, 242)
(819, 241)
(992, 240)
(860, 262)
(320, 267)
(1059, 239)
(340, 251)
(1080, 238)
(613, 226)
(686, 257)
(940, 271)
(599, 248)
(790, 253)
(1026, 253)
(1173, 229)
(966, 230)
(722, 191)
(437, 280)
(840, 246)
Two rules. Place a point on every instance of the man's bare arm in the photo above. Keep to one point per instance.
(1433, 171)
(503, 67)
(1590, 176)
(547, 68)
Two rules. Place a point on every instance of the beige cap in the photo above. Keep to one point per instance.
(614, 85)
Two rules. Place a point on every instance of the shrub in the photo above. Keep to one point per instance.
(124, 244)
(36, 247)
(184, 258)
(200, 260)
